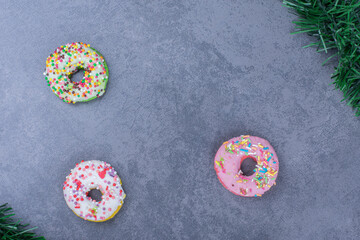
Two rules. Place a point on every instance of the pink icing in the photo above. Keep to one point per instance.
(228, 160)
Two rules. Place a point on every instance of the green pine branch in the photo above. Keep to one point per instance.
(336, 25)
(11, 229)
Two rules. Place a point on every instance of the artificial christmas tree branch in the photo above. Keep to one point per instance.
(336, 25)
(11, 229)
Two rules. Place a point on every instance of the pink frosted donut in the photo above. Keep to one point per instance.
(231, 155)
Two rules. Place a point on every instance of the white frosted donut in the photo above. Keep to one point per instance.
(89, 175)
(68, 59)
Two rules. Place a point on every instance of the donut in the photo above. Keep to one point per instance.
(89, 175)
(230, 157)
(70, 58)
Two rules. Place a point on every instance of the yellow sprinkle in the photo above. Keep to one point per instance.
(273, 173)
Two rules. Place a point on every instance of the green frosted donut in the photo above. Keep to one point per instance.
(68, 59)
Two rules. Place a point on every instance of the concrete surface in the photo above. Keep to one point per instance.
(184, 77)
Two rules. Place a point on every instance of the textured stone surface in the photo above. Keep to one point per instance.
(184, 77)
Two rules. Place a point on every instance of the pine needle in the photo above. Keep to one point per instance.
(336, 25)
(11, 229)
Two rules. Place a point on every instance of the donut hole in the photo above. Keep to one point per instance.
(247, 166)
(95, 194)
(78, 75)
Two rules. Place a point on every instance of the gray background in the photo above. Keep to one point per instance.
(184, 77)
